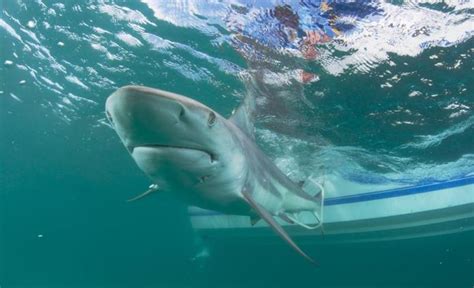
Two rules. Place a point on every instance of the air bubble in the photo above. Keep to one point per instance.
(31, 24)
(414, 94)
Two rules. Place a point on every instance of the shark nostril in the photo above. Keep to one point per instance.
(181, 113)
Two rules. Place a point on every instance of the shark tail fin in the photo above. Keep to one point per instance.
(265, 215)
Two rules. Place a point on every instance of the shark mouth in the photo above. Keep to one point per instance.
(211, 155)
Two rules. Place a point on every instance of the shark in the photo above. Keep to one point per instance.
(209, 161)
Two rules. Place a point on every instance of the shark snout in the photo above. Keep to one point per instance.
(132, 103)
(144, 117)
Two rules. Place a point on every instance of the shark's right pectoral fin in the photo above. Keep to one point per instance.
(265, 215)
(151, 189)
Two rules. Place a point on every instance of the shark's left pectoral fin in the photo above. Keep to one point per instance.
(151, 189)
(265, 215)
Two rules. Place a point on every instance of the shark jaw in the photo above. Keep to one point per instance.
(172, 167)
(131, 149)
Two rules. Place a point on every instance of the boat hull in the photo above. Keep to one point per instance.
(390, 214)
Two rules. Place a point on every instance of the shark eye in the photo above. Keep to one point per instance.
(212, 119)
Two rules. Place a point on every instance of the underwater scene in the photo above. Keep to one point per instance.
(239, 143)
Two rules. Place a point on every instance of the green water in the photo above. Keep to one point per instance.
(65, 176)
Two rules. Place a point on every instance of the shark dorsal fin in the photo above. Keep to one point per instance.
(243, 116)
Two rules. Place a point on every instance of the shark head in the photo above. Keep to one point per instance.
(178, 142)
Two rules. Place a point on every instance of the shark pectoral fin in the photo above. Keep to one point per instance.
(151, 189)
(275, 226)
(254, 219)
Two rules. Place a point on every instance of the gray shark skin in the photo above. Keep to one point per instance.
(211, 162)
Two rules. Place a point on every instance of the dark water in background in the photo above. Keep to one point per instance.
(65, 176)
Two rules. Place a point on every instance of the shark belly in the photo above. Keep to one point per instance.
(228, 203)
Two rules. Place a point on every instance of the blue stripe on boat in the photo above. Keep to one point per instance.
(398, 192)
(369, 196)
